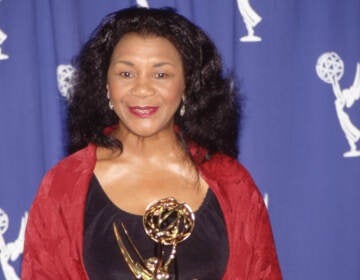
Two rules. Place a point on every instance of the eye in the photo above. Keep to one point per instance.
(161, 75)
(126, 75)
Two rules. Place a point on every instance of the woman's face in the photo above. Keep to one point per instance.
(146, 83)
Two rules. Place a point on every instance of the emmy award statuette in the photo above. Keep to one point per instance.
(167, 222)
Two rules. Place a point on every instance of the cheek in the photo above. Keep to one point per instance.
(117, 87)
(176, 92)
(117, 93)
(174, 99)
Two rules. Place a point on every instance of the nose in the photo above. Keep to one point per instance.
(143, 87)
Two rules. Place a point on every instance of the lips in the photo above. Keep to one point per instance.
(143, 111)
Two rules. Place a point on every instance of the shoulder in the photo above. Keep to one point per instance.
(231, 180)
(75, 163)
(68, 171)
(226, 168)
(218, 165)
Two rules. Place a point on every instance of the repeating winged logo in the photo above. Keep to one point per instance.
(3, 37)
(10, 252)
(65, 74)
(251, 19)
(330, 69)
(142, 3)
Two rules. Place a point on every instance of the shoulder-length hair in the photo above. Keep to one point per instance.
(212, 110)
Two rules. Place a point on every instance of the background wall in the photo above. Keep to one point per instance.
(296, 64)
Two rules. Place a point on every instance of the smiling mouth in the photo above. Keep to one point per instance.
(143, 111)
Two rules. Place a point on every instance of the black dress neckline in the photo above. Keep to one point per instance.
(125, 212)
(202, 256)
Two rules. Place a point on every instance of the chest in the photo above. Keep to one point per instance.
(202, 256)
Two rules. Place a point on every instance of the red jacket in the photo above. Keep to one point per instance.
(54, 233)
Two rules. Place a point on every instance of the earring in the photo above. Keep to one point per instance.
(182, 109)
(111, 106)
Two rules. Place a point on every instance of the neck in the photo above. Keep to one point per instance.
(155, 147)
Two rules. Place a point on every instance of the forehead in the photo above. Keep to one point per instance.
(145, 45)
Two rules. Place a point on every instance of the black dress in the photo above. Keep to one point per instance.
(202, 256)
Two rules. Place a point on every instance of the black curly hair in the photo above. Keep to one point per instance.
(212, 105)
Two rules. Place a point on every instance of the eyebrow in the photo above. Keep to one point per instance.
(162, 64)
(159, 64)
(123, 62)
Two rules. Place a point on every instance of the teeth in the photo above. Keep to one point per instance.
(143, 110)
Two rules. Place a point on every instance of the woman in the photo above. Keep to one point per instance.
(151, 117)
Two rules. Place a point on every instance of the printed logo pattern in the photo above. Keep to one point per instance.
(330, 69)
(251, 20)
(142, 3)
(65, 79)
(12, 250)
(3, 37)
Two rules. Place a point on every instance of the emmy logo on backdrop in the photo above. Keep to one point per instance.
(65, 74)
(11, 250)
(142, 3)
(330, 69)
(251, 19)
(3, 37)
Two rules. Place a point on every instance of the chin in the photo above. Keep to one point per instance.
(149, 129)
